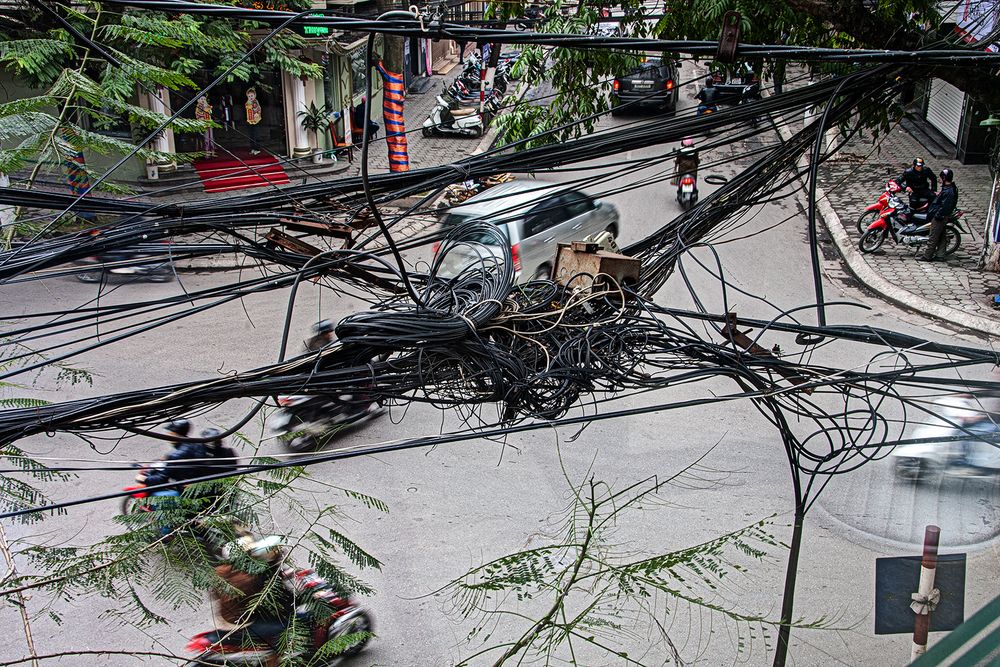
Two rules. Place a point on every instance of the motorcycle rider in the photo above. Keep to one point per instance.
(938, 212)
(237, 604)
(237, 600)
(181, 463)
(919, 182)
(322, 336)
(708, 95)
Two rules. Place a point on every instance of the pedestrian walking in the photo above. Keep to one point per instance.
(943, 206)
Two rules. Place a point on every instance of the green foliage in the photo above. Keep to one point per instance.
(37, 61)
(314, 118)
(85, 95)
(585, 589)
(166, 557)
(580, 79)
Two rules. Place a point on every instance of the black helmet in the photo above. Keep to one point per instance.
(918, 162)
(323, 326)
(211, 434)
(178, 427)
(947, 175)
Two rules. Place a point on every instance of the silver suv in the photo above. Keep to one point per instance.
(534, 216)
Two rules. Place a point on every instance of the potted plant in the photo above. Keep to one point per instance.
(315, 119)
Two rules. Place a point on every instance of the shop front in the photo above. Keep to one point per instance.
(344, 87)
(250, 116)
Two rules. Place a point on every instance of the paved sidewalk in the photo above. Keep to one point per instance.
(423, 151)
(953, 290)
(854, 178)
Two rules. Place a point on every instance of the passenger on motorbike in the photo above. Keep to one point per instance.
(237, 605)
(919, 182)
(184, 462)
(218, 449)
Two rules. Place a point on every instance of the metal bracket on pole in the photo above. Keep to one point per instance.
(741, 340)
(730, 37)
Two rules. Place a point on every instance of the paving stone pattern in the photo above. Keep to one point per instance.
(854, 178)
(423, 151)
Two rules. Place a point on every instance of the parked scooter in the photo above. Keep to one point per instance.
(463, 121)
(974, 455)
(907, 227)
(304, 423)
(873, 211)
(687, 174)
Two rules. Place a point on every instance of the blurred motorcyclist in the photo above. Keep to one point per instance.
(182, 463)
(237, 604)
(215, 447)
(322, 336)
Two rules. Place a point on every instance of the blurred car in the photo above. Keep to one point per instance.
(534, 216)
(653, 84)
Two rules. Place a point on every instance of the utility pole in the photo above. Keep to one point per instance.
(392, 45)
(926, 597)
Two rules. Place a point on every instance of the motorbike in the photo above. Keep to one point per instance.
(240, 647)
(873, 211)
(124, 263)
(464, 121)
(303, 423)
(687, 171)
(687, 192)
(973, 454)
(908, 227)
(138, 501)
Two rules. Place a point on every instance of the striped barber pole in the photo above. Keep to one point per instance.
(392, 112)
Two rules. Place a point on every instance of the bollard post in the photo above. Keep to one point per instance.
(926, 597)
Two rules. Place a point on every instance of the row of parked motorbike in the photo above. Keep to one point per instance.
(904, 222)
(464, 109)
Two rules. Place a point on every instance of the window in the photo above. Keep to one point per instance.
(544, 216)
(576, 203)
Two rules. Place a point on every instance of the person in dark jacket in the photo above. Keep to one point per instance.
(943, 206)
(919, 182)
(179, 464)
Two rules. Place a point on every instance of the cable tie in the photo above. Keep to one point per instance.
(462, 169)
(925, 604)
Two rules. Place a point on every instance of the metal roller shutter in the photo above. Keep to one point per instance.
(944, 108)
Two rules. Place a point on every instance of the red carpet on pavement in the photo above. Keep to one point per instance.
(239, 171)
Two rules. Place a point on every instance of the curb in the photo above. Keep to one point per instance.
(874, 281)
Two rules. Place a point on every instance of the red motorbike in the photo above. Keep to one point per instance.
(137, 500)
(874, 212)
(239, 647)
(906, 226)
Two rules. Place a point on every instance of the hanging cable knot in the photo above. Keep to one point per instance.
(462, 169)
(925, 604)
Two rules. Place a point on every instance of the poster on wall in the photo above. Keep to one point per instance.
(976, 20)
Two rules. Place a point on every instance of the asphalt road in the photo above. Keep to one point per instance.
(456, 506)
